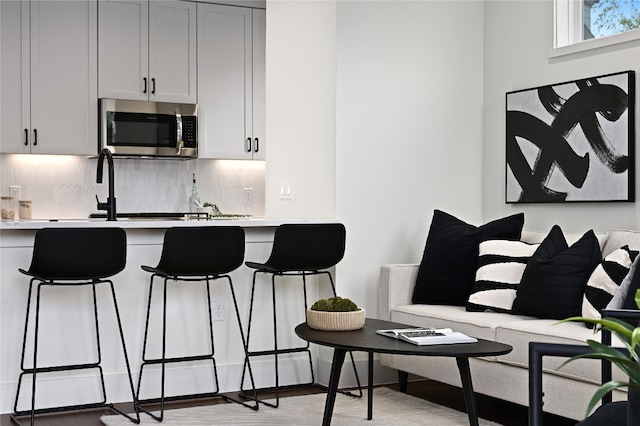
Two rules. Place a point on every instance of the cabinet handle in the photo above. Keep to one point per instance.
(35, 137)
(26, 137)
(248, 144)
(153, 86)
(257, 147)
(145, 85)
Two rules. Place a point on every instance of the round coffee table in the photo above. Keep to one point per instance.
(366, 340)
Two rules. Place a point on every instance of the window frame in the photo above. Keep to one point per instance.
(566, 27)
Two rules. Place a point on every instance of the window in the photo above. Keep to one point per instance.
(587, 24)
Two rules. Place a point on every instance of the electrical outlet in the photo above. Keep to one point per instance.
(14, 191)
(248, 195)
(218, 309)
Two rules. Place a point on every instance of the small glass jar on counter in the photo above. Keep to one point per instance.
(24, 209)
(8, 209)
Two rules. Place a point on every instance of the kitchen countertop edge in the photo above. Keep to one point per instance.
(150, 224)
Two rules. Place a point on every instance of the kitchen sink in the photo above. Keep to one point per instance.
(153, 216)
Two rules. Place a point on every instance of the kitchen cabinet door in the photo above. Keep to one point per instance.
(147, 50)
(231, 82)
(12, 61)
(259, 82)
(49, 73)
(172, 51)
(123, 45)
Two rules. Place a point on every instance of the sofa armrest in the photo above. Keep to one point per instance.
(395, 287)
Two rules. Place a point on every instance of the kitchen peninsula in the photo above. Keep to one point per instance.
(66, 317)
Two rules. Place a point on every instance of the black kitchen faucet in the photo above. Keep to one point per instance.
(110, 205)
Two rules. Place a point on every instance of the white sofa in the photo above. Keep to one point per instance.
(567, 391)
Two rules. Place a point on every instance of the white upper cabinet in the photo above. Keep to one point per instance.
(147, 50)
(48, 78)
(231, 82)
(259, 83)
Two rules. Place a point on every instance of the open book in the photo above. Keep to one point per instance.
(428, 336)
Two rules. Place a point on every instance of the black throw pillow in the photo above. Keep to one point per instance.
(447, 271)
(555, 277)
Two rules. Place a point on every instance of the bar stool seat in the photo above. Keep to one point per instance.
(194, 254)
(72, 257)
(298, 250)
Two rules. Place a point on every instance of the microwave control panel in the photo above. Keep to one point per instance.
(189, 131)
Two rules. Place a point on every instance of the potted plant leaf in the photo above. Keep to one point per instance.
(335, 314)
(629, 363)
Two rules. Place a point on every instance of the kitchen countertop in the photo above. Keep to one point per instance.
(35, 224)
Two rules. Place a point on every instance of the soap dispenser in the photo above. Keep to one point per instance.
(194, 198)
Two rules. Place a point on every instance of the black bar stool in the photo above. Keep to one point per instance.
(299, 250)
(196, 254)
(73, 257)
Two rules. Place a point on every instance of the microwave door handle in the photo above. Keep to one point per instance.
(178, 134)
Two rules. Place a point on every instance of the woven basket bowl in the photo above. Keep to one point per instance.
(335, 321)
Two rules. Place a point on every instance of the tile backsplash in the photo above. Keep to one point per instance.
(64, 187)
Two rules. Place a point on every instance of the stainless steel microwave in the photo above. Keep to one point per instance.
(148, 129)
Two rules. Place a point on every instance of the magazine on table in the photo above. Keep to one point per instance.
(428, 336)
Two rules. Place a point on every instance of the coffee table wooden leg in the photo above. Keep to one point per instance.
(336, 368)
(467, 388)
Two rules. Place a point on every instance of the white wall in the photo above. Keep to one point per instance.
(517, 35)
(409, 111)
(374, 113)
(300, 110)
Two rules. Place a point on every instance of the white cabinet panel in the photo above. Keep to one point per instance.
(226, 81)
(53, 84)
(259, 83)
(147, 50)
(15, 19)
(123, 45)
(172, 51)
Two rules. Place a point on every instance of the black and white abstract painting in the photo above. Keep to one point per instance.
(572, 142)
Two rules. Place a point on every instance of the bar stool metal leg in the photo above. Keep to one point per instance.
(353, 361)
(276, 351)
(135, 419)
(34, 370)
(163, 360)
(245, 345)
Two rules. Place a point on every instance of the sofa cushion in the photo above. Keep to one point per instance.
(518, 334)
(448, 266)
(605, 280)
(556, 275)
(619, 238)
(501, 264)
(536, 237)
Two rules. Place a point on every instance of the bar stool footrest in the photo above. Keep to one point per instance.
(56, 368)
(180, 398)
(279, 351)
(244, 393)
(193, 358)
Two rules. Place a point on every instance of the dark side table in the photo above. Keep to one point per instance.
(366, 340)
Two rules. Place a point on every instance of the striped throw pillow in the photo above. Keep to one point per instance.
(605, 281)
(500, 267)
